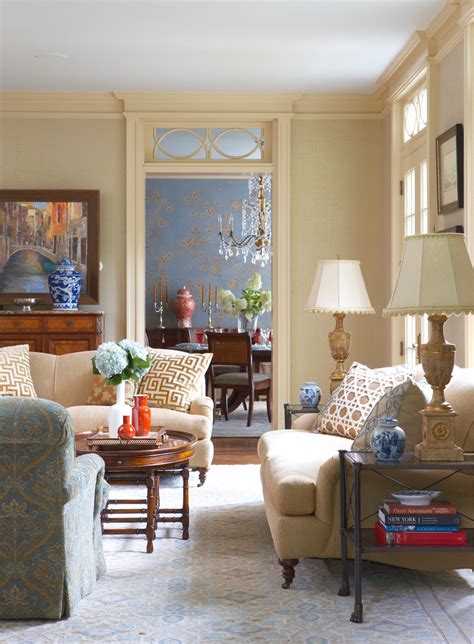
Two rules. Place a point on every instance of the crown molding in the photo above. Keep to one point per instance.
(59, 102)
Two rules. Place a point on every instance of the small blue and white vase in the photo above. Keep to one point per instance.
(388, 440)
(65, 286)
(310, 394)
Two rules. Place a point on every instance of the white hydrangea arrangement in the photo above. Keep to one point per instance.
(251, 303)
(120, 361)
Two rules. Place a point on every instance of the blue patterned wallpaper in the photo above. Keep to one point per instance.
(182, 243)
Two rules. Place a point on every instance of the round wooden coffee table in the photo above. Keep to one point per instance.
(127, 465)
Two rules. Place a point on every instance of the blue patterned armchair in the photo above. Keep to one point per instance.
(50, 503)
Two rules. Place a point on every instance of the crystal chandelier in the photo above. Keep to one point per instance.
(256, 225)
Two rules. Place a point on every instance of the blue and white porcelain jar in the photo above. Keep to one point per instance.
(310, 394)
(388, 440)
(65, 286)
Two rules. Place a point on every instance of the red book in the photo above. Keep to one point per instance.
(437, 507)
(419, 538)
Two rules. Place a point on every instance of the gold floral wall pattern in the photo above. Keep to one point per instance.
(182, 243)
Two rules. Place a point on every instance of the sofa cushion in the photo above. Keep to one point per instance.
(350, 405)
(87, 417)
(174, 379)
(104, 394)
(15, 374)
(290, 466)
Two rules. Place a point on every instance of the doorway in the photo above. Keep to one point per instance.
(183, 216)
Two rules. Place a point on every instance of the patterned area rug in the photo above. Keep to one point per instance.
(237, 423)
(224, 585)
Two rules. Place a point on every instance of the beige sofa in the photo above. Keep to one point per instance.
(300, 480)
(68, 380)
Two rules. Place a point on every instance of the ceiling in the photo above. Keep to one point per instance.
(220, 45)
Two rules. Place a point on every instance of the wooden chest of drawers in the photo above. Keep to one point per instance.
(56, 332)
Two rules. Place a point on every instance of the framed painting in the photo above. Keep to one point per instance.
(449, 169)
(38, 228)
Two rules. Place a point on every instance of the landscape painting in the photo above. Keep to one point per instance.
(38, 229)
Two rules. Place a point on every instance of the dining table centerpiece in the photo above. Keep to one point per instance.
(118, 362)
(252, 302)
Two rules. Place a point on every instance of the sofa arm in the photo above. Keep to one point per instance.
(304, 422)
(203, 406)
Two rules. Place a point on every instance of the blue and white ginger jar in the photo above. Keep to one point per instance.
(65, 286)
(310, 394)
(388, 440)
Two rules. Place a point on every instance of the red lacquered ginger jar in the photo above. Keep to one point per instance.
(141, 415)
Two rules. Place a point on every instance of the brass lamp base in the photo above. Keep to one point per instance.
(437, 358)
(339, 344)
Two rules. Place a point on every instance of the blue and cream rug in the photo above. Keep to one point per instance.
(224, 585)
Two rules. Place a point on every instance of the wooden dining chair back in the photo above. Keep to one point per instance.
(235, 349)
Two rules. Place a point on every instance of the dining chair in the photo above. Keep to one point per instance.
(235, 349)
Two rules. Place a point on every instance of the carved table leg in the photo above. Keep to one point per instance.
(288, 571)
(150, 511)
(202, 475)
(185, 475)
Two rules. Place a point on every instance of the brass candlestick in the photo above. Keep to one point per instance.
(340, 344)
(437, 358)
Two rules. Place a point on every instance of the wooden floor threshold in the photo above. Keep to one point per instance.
(235, 451)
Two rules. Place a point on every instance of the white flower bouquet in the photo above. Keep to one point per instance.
(252, 301)
(120, 361)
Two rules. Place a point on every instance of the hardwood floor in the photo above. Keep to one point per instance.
(235, 451)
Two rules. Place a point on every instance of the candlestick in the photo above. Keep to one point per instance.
(154, 293)
(209, 298)
(166, 292)
(161, 291)
(160, 308)
(202, 294)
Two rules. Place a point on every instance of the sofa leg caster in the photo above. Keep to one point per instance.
(202, 475)
(288, 571)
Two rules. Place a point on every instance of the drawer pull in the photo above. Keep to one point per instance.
(119, 462)
(16, 323)
(69, 323)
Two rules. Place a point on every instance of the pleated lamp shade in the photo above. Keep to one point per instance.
(339, 287)
(435, 276)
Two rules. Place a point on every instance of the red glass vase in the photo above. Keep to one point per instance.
(141, 415)
(126, 431)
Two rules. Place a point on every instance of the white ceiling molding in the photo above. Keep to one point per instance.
(435, 42)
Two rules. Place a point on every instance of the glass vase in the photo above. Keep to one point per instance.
(246, 324)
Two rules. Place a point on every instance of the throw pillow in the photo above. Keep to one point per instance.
(173, 379)
(15, 374)
(104, 394)
(350, 405)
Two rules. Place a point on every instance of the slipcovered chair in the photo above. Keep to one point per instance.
(50, 504)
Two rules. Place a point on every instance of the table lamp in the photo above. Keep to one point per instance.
(339, 288)
(435, 278)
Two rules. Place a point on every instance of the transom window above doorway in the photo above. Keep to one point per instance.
(415, 114)
(208, 143)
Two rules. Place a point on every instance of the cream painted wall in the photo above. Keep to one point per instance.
(77, 153)
(338, 207)
(451, 110)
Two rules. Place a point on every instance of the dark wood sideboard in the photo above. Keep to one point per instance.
(57, 332)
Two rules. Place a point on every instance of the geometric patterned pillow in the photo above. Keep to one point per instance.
(173, 380)
(104, 394)
(350, 405)
(15, 375)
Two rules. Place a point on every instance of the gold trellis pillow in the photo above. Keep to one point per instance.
(351, 404)
(104, 394)
(15, 374)
(173, 380)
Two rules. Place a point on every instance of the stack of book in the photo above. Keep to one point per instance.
(436, 524)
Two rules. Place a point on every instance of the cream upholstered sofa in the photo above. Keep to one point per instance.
(68, 380)
(300, 480)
